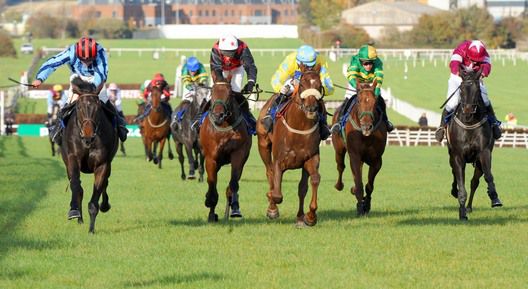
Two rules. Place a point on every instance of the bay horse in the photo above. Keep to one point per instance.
(364, 137)
(51, 123)
(156, 128)
(185, 136)
(225, 139)
(89, 144)
(293, 143)
(470, 140)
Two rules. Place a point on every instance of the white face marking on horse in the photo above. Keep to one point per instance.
(312, 81)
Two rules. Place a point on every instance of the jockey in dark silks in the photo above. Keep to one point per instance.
(88, 60)
(230, 58)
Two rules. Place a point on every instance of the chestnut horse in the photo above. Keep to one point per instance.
(89, 144)
(293, 143)
(365, 137)
(156, 128)
(470, 140)
(225, 139)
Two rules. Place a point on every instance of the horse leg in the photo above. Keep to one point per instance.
(211, 197)
(458, 166)
(264, 148)
(154, 152)
(181, 158)
(169, 154)
(340, 152)
(190, 157)
(357, 166)
(76, 190)
(369, 188)
(52, 148)
(302, 189)
(474, 185)
(276, 193)
(101, 174)
(160, 152)
(148, 149)
(485, 160)
(238, 160)
(311, 167)
(122, 146)
(201, 167)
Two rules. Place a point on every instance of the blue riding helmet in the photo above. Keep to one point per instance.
(306, 55)
(193, 64)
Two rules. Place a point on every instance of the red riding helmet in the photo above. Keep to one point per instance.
(86, 48)
(159, 77)
(476, 51)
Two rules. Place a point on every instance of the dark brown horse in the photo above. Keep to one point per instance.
(156, 128)
(470, 140)
(365, 137)
(293, 143)
(186, 137)
(89, 144)
(225, 139)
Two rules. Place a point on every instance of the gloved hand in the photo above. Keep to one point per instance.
(248, 88)
(285, 89)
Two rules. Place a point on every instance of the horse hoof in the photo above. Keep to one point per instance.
(454, 194)
(171, 156)
(277, 200)
(309, 222)
(272, 214)
(213, 218)
(236, 214)
(74, 214)
(463, 218)
(496, 203)
(191, 177)
(80, 221)
(105, 207)
(339, 186)
(299, 224)
(360, 211)
(155, 161)
(469, 210)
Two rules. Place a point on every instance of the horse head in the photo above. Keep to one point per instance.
(309, 91)
(220, 102)
(155, 98)
(201, 94)
(366, 105)
(470, 94)
(87, 106)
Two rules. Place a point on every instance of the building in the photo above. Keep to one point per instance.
(154, 13)
(375, 17)
(497, 8)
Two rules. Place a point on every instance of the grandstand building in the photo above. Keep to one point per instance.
(144, 13)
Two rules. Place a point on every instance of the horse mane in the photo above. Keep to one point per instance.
(80, 87)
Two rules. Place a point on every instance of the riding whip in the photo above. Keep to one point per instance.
(445, 102)
(345, 88)
(18, 82)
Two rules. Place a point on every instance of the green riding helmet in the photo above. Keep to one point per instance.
(367, 52)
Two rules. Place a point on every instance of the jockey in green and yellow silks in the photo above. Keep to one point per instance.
(289, 72)
(365, 66)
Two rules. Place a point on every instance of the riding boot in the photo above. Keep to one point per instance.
(495, 124)
(62, 119)
(267, 120)
(198, 119)
(122, 131)
(148, 108)
(385, 117)
(439, 133)
(248, 116)
(324, 131)
(336, 128)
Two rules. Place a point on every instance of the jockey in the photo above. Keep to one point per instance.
(158, 80)
(287, 76)
(230, 58)
(86, 59)
(56, 96)
(193, 74)
(468, 54)
(114, 95)
(365, 66)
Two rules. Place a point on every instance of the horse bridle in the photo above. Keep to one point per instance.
(299, 89)
(81, 123)
(224, 103)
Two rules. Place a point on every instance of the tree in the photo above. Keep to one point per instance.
(43, 26)
(7, 48)
(326, 13)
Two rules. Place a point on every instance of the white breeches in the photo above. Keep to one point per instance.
(453, 83)
(103, 97)
(237, 76)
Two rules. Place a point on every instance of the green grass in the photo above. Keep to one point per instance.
(425, 86)
(156, 234)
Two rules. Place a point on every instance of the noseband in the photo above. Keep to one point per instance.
(84, 119)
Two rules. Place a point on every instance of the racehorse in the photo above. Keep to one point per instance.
(470, 140)
(185, 136)
(225, 139)
(52, 122)
(89, 144)
(364, 138)
(156, 128)
(294, 143)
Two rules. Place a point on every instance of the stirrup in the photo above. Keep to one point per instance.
(267, 122)
(336, 128)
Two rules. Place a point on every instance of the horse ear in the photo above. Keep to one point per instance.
(358, 84)
(318, 67)
(374, 83)
(302, 67)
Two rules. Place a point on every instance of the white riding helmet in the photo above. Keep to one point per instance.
(228, 42)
